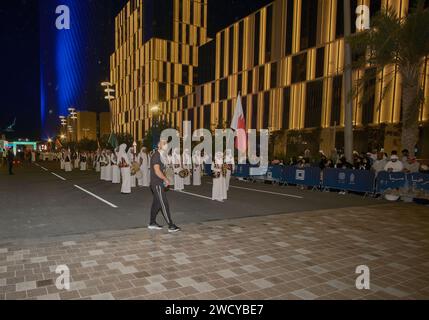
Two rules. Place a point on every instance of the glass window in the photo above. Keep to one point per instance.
(299, 67)
(314, 100)
(286, 108)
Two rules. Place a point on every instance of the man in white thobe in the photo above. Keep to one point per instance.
(219, 192)
(103, 164)
(196, 175)
(177, 162)
(187, 164)
(229, 160)
(133, 158)
(144, 160)
(124, 164)
(116, 172)
(83, 161)
(68, 162)
(108, 174)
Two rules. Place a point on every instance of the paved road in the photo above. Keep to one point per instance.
(42, 201)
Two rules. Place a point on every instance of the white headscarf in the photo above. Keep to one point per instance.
(219, 158)
(122, 154)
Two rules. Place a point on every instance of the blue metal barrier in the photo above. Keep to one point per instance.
(242, 171)
(390, 180)
(419, 181)
(309, 176)
(349, 180)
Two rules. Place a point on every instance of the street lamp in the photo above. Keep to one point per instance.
(110, 96)
(155, 110)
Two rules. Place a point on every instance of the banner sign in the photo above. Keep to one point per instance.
(349, 180)
(309, 176)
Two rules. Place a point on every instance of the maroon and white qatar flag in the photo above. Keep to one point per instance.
(239, 125)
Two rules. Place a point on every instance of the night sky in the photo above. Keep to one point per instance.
(20, 55)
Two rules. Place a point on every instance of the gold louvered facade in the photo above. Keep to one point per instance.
(286, 60)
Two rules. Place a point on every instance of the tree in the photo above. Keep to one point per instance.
(150, 134)
(403, 43)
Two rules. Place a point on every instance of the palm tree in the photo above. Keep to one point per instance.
(403, 43)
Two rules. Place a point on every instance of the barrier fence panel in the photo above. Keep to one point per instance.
(278, 173)
(419, 181)
(309, 176)
(390, 180)
(242, 171)
(349, 180)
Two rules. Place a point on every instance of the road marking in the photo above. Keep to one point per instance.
(96, 197)
(269, 192)
(41, 167)
(194, 194)
(64, 179)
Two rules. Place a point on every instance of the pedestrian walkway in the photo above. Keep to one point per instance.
(307, 255)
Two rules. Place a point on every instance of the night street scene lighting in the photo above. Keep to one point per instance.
(215, 158)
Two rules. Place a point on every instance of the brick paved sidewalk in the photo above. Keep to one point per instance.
(295, 256)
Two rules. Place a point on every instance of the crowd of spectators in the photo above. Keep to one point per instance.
(376, 161)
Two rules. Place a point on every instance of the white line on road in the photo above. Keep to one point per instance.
(58, 176)
(195, 195)
(41, 167)
(97, 197)
(269, 192)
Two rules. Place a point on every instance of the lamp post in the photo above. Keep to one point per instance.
(73, 117)
(155, 110)
(109, 96)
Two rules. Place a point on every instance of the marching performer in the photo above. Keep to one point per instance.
(76, 156)
(144, 161)
(83, 160)
(97, 164)
(177, 163)
(62, 160)
(108, 173)
(132, 158)
(169, 171)
(68, 162)
(197, 168)
(187, 165)
(229, 161)
(116, 172)
(103, 163)
(125, 166)
(219, 192)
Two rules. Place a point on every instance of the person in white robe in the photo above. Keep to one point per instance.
(68, 162)
(144, 160)
(132, 158)
(229, 160)
(187, 164)
(169, 169)
(83, 161)
(108, 174)
(124, 164)
(197, 168)
(97, 164)
(219, 192)
(177, 163)
(103, 163)
(116, 172)
(76, 161)
(62, 160)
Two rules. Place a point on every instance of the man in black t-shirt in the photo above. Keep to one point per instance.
(158, 184)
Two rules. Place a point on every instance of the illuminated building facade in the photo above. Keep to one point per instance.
(286, 59)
